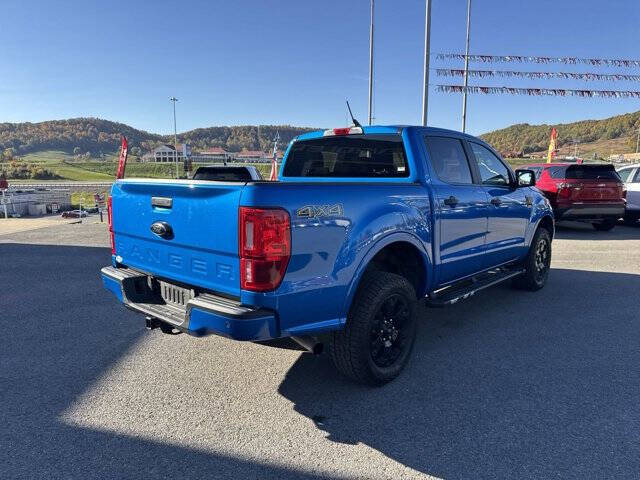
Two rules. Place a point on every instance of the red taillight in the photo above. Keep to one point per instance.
(110, 220)
(564, 189)
(264, 247)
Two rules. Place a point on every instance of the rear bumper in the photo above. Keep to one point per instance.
(589, 211)
(205, 314)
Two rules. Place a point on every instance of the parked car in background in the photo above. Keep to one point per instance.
(592, 193)
(630, 175)
(74, 214)
(229, 173)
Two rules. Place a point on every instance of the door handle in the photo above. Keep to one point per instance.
(496, 201)
(451, 201)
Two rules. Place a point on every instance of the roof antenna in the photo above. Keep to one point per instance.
(353, 119)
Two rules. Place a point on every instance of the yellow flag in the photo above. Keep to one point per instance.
(552, 145)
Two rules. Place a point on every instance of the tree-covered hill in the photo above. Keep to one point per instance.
(85, 134)
(525, 138)
(234, 139)
(94, 135)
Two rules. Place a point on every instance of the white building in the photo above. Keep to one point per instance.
(164, 153)
(212, 155)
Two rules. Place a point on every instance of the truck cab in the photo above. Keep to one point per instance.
(363, 223)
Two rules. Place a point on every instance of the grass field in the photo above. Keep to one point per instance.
(71, 168)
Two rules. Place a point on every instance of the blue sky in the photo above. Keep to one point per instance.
(294, 62)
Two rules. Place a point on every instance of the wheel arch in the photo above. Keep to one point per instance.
(547, 222)
(394, 253)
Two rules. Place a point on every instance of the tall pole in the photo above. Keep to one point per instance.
(371, 64)
(638, 141)
(175, 134)
(466, 71)
(427, 53)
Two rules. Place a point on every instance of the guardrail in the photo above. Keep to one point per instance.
(54, 185)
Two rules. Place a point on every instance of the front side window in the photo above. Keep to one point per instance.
(350, 156)
(492, 170)
(449, 160)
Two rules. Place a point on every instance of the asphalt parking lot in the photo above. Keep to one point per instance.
(508, 384)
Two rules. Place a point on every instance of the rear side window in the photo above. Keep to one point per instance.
(350, 156)
(536, 170)
(624, 174)
(557, 172)
(585, 172)
(449, 160)
(492, 170)
(636, 178)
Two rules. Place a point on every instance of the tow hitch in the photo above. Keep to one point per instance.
(151, 323)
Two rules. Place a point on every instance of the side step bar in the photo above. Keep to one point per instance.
(454, 293)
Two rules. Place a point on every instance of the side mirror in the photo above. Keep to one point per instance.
(525, 178)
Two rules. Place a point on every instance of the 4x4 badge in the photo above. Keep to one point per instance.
(313, 211)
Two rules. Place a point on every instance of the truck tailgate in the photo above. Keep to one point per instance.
(200, 243)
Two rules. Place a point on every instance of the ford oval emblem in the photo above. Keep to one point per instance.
(162, 229)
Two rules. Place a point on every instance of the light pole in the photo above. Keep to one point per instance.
(371, 64)
(427, 53)
(466, 71)
(638, 141)
(175, 134)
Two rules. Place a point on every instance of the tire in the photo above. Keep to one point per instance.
(605, 226)
(537, 263)
(377, 340)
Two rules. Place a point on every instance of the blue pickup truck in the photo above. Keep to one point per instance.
(363, 223)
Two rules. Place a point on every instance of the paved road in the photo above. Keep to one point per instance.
(506, 385)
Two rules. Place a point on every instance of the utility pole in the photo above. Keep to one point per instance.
(466, 70)
(175, 134)
(371, 64)
(638, 141)
(427, 53)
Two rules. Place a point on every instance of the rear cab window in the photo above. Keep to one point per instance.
(348, 156)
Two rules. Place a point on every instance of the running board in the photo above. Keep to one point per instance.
(453, 294)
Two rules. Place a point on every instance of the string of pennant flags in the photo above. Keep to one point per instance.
(452, 72)
(562, 92)
(611, 62)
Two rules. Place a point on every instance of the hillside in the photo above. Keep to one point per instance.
(615, 132)
(98, 136)
(87, 134)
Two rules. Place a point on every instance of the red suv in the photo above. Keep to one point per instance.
(591, 193)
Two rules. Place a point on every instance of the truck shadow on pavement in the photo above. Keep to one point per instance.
(61, 334)
(510, 384)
